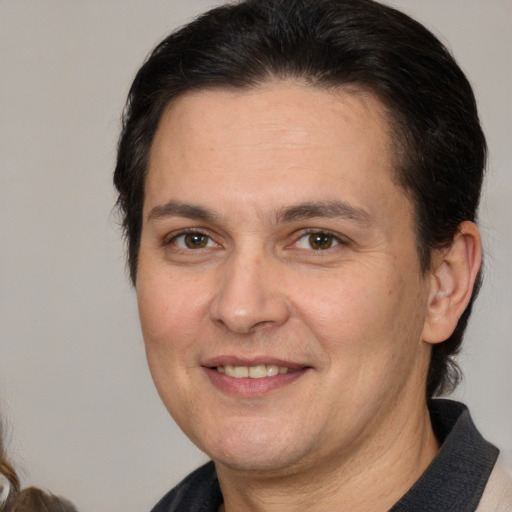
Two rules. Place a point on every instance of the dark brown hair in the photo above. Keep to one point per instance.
(36, 500)
(328, 43)
(26, 500)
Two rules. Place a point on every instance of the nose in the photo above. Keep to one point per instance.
(249, 295)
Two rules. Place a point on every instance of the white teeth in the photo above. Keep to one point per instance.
(241, 372)
(257, 372)
(272, 370)
(254, 372)
(229, 370)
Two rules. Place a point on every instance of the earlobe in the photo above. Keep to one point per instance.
(452, 282)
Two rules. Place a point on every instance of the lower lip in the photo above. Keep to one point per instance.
(248, 387)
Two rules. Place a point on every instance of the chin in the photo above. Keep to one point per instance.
(258, 449)
(270, 464)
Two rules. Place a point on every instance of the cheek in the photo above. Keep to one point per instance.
(170, 317)
(169, 311)
(363, 311)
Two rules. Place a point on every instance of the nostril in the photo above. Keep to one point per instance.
(248, 298)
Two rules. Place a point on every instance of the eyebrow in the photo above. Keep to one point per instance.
(293, 213)
(177, 209)
(323, 209)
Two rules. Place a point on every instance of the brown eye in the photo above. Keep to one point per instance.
(193, 240)
(196, 240)
(320, 241)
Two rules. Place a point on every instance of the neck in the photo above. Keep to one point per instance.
(371, 479)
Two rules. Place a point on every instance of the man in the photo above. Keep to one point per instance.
(299, 181)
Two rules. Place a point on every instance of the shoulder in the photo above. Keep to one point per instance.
(199, 491)
(497, 496)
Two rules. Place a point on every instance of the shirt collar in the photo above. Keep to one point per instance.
(456, 478)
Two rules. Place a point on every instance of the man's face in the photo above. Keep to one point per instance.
(275, 240)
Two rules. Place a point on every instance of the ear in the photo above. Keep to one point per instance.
(452, 280)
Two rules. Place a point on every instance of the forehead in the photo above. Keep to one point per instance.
(273, 141)
(294, 111)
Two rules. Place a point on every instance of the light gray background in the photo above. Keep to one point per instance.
(83, 417)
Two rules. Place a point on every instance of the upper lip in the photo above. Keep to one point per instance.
(225, 360)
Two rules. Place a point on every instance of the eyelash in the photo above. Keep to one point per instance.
(336, 238)
(170, 240)
(340, 241)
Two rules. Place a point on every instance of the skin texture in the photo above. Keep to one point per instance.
(252, 174)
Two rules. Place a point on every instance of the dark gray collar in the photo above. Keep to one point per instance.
(456, 478)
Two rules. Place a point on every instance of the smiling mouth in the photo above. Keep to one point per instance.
(253, 372)
(254, 379)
